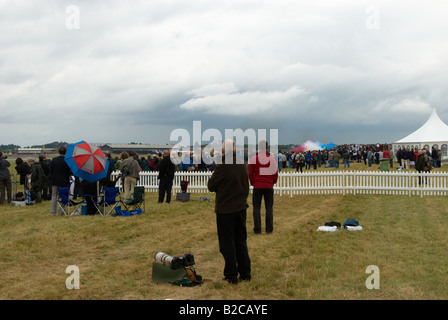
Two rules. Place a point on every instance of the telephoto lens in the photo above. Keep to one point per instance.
(163, 257)
(175, 262)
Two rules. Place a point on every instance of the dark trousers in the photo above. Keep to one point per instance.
(232, 237)
(165, 186)
(308, 165)
(89, 193)
(5, 185)
(46, 191)
(420, 178)
(268, 195)
(38, 193)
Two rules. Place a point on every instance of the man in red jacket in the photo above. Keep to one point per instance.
(263, 175)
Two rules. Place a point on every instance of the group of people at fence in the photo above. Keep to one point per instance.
(307, 159)
(36, 176)
(39, 180)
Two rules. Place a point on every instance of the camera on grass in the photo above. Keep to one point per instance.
(175, 262)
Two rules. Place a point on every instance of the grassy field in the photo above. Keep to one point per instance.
(405, 237)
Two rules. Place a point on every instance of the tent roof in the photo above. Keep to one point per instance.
(434, 130)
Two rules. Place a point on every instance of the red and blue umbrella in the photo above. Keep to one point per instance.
(86, 161)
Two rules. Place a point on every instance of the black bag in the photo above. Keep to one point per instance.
(332, 224)
(19, 196)
(183, 197)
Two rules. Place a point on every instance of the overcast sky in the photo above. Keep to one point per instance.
(133, 71)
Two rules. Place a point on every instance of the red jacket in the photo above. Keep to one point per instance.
(263, 172)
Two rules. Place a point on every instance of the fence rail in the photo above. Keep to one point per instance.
(337, 182)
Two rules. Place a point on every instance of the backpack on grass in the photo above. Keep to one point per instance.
(351, 223)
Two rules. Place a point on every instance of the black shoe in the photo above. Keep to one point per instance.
(246, 278)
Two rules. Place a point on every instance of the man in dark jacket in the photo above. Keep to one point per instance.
(166, 176)
(46, 163)
(37, 179)
(230, 181)
(5, 180)
(23, 169)
(435, 157)
(60, 177)
(422, 165)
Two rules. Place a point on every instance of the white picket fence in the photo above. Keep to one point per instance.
(337, 182)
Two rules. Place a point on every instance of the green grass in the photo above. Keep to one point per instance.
(404, 236)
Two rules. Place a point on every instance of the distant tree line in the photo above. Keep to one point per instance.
(13, 147)
(54, 145)
(8, 147)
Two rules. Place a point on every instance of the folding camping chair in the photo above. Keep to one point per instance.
(65, 203)
(137, 199)
(110, 199)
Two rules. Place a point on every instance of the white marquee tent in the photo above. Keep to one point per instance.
(434, 133)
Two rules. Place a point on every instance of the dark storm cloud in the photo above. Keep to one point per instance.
(355, 71)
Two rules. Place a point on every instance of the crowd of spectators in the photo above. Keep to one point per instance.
(368, 154)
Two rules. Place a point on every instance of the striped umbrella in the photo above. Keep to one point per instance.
(86, 161)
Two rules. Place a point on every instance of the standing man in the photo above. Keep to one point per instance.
(5, 180)
(336, 157)
(346, 157)
(435, 157)
(131, 171)
(422, 165)
(231, 184)
(60, 177)
(300, 158)
(262, 176)
(405, 154)
(386, 153)
(166, 176)
(38, 179)
(391, 157)
(439, 157)
(46, 163)
(369, 157)
(280, 161)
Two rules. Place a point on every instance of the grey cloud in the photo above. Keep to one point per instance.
(135, 65)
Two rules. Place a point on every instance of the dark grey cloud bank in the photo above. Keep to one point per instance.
(343, 72)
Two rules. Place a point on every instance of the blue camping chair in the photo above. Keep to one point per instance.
(67, 205)
(137, 199)
(109, 201)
